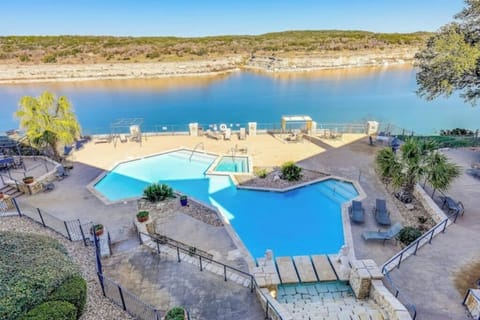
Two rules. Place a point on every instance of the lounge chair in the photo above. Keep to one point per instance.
(213, 135)
(62, 172)
(242, 135)
(356, 212)
(382, 215)
(123, 138)
(383, 235)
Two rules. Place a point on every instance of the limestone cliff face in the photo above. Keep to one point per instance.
(298, 62)
(331, 60)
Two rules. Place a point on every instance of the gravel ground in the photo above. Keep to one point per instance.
(270, 182)
(98, 307)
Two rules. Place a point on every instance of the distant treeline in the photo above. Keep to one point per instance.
(96, 49)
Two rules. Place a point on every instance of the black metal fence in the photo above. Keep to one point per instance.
(129, 302)
(205, 262)
(73, 230)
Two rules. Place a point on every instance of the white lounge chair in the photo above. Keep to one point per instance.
(123, 138)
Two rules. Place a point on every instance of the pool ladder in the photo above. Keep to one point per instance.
(195, 148)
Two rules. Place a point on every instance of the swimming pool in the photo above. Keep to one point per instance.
(238, 164)
(302, 221)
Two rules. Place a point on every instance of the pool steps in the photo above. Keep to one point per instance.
(305, 269)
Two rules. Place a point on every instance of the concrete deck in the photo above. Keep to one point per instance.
(428, 277)
(305, 269)
(286, 270)
(323, 268)
(164, 283)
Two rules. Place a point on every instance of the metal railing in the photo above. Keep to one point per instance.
(412, 248)
(402, 297)
(227, 270)
(73, 230)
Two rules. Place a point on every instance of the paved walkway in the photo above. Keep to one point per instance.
(428, 278)
(355, 161)
(163, 282)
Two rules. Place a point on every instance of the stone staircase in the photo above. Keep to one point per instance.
(11, 191)
(327, 301)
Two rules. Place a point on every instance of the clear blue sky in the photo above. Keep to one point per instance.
(209, 17)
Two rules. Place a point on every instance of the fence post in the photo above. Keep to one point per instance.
(431, 236)
(82, 233)
(17, 207)
(445, 226)
(252, 283)
(201, 269)
(416, 248)
(178, 254)
(121, 297)
(68, 231)
(158, 247)
(41, 217)
(225, 272)
(100, 279)
(266, 310)
(400, 261)
(140, 237)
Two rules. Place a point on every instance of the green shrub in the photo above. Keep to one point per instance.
(176, 313)
(261, 173)
(291, 172)
(142, 214)
(49, 58)
(73, 290)
(57, 310)
(409, 234)
(157, 192)
(33, 266)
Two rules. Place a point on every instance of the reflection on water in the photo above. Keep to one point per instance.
(328, 96)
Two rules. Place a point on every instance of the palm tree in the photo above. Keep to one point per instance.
(440, 172)
(48, 121)
(417, 160)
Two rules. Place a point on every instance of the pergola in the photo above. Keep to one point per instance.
(130, 126)
(296, 119)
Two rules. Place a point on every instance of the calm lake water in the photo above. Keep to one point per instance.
(337, 96)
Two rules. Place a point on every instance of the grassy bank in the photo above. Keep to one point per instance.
(100, 49)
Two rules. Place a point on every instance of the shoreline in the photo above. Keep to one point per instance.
(21, 74)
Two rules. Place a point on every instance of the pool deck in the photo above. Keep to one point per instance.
(351, 158)
(265, 150)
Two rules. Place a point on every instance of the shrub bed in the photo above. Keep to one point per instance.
(33, 266)
(52, 310)
(73, 290)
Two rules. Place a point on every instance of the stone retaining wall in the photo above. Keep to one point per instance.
(472, 302)
(432, 208)
(387, 301)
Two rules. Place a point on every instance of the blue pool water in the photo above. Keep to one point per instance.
(232, 164)
(302, 221)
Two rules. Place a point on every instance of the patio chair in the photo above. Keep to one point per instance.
(382, 215)
(123, 138)
(62, 172)
(356, 212)
(48, 186)
(383, 235)
(213, 135)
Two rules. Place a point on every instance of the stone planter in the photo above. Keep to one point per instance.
(142, 216)
(28, 180)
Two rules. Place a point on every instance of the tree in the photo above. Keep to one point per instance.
(451, 59)
(48, 121)
(417, 160)
(440, 172)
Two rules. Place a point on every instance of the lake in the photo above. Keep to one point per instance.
(335, 96)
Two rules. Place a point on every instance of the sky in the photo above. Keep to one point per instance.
(216, 17)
